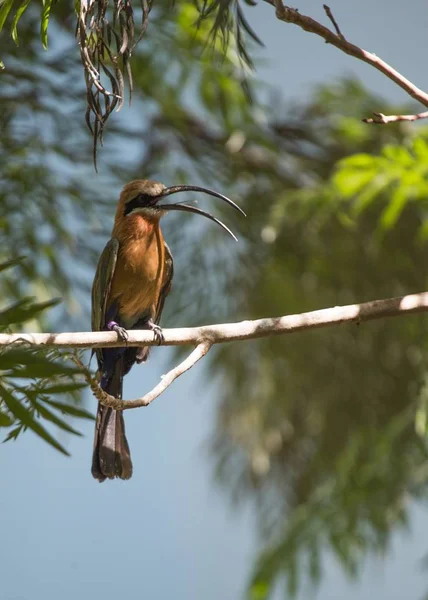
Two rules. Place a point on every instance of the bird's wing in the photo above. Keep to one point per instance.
(102, 284)
(167, 280)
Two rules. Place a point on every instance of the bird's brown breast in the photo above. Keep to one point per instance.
(139, 272)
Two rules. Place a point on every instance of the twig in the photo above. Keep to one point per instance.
(333, 20)
(381, 119)
(229, 332)
(107, 400)
(292, 15)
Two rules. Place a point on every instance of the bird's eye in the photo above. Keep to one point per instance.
(146, 199)
(140, 201)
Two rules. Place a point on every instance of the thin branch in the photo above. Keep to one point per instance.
(230, 332)
(292, 15)
(107, 400)
(381, 119)
(333, 20)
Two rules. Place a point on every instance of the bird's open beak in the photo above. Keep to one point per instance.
(186, 208)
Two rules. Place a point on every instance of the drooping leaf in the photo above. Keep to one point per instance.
(18, 15)
(11, 263)
(71, 409)
(46, 11)
(5, 8)
(5, 420)
(25, 416)
(43, 369)
(25, 310)
(62, 388)
(50, 416)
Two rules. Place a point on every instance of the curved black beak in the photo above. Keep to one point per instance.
(186, 208)
(195, 188)
(197, 211)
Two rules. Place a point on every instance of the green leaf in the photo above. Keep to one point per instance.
(50, 416)
(18, 15)
(350, 181)
(42, 370)
(24, 310)
(27, 419)
(359, 161)
(398, 155)
(4, 11)
(12, 357)
(11, 263)
(70, 409)
(259, 590)
(46, 11)
(12, 435)
(394, 209)
(420, 148)
(5, 420)
(63, 388)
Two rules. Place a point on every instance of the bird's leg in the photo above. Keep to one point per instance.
(157, 331)
(122, 334)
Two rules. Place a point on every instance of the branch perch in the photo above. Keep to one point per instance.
(292, 15)
(204, 337)
(107, 400)
(229, 332)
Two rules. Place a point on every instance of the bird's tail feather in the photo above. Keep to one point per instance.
(111, 457)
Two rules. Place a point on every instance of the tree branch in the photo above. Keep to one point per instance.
(292, 15)
(107, 400)
(381, 119)
(229, 332)
(204, 337)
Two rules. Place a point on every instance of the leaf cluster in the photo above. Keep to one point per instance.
(31, 379)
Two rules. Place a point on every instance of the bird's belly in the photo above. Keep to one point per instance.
(137, 302)
(136, 287)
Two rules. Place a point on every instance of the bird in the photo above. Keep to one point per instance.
(132, 280)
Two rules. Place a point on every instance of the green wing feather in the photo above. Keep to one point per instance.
(169, 273)
(102, 284)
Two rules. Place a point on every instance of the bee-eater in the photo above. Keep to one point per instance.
(131, 283)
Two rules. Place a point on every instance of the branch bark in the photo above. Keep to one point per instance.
(204, 337)
(229, 332)
(107, 400)
(292, 15)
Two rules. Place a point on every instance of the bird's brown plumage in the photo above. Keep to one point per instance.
(140, 274)
(131, 283)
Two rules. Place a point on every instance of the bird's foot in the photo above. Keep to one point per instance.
(157, 331)
(122, 334)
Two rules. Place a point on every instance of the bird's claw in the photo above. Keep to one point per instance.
(121, 332)
(157, 332)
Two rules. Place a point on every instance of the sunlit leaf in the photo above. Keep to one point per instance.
(5, 8)
(46, 11)
(14, 31)
(396, 205)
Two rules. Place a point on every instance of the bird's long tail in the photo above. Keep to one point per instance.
(111, 457)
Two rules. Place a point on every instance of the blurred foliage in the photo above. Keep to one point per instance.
(107, 37)
(29, 377)
(393, 179)
(324, 431)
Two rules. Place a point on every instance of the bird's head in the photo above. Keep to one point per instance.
(143, 197)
